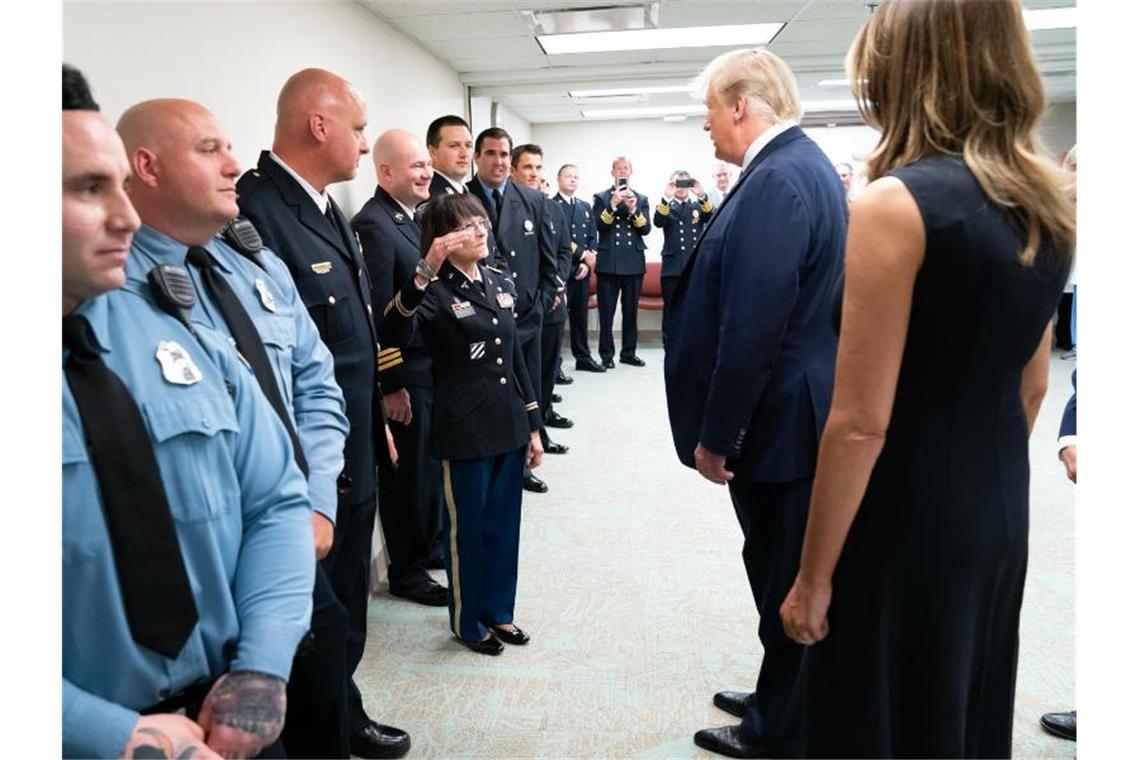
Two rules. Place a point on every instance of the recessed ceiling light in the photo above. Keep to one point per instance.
(652, 39)
(625, 91)
(1050, 18)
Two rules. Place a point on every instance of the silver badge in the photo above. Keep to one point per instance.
(177, 366)
(399, 216)
(478, 349)
(528, 225)
(267, 299)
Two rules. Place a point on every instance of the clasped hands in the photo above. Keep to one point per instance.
(242, 715)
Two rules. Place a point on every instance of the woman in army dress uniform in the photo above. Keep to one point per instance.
(485, 417)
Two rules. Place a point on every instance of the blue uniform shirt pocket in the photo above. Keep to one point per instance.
(84, 532)
(193, 442)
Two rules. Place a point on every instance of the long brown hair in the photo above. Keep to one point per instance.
(957, 77)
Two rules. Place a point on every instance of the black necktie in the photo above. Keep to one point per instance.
(498, 198)
(148, 561)
(248, 341)
(331, 216)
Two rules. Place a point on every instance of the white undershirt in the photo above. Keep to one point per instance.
(764, 138)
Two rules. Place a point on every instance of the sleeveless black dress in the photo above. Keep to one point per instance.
(922, 656)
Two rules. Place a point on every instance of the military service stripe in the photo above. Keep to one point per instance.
(399, 304)
(707, 207)
(663, 208)
(386, 365)
(532, 406)
(640, 221)
(607, 217)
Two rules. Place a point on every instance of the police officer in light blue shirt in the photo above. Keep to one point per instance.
(250, 296)
(235, 502)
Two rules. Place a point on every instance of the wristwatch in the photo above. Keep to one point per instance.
(423, 269)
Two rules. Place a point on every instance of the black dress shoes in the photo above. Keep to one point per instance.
(533, 484)
(727, 741)
(515, 635)
(376, 741)
(555, 398)
(555, 420)
(1062, 724)
(588, 365)
(633, 360)
(430, 593)
(489, 645)
(608, 363)
(555, 448)
(732, 702)
(561, 379)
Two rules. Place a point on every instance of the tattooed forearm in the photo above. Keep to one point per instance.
(250, 702)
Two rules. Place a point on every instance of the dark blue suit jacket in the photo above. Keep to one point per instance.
(751, 356)
(1069, 418)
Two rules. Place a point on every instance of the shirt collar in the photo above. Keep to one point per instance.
(569, 199)
(159, 248)
(410, 212)
(765, 137)
(488, 188)
(95, 311)
(321, 199)
(459, 187)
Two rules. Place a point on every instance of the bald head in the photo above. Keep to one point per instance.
(184, 173)
(320, 127)
(403, 166)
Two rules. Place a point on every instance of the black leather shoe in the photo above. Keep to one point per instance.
(533, 484)
(633, 360)
(518, 636)
(376, 741)
(555, 448)
(726, 740)
(555, 398)
(588, 365)
(430, 593)
(561, 379)
(732, 702)
(435, 563)
(608, 363)
(555, 420)
(489, 645)
(1062, 724)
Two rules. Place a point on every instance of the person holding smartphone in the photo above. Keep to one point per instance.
(622, 218)
(682, 213)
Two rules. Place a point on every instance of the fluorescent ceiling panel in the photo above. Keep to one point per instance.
(1050, 18)
(626, 91)
(654, 39)
(810, 106)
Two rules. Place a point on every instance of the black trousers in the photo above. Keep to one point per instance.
(316, 716)
(668, 286)
(551, 352)
(610, 286)
(577, 303)
(411, 505)
(348, 566)
(773, 517)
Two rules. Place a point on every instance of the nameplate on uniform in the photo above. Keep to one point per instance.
(267, 299)
(177, 366)
(506, 300)
(321, 267)
(478, 349)
(463, 309)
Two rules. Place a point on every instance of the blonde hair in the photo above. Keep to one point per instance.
(957, 77)
(759, 75)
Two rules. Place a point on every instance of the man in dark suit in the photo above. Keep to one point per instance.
(449, 145)
(622, 218)
(318, 140)
(526, 170)
(519, 246)
(751, 360)
(584, 241)
(411, 511)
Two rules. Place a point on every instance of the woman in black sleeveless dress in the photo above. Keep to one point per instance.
(914, 558)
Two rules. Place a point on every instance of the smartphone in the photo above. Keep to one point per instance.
(682, 182)
(622, 183)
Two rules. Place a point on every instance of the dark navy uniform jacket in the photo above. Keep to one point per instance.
(521, 246)
(484, 402)
(568, 256)
(583, 233)
(751, 357)
(328, 268)
(390, 240)
(621, 235)
(440, 186)
(682, 222)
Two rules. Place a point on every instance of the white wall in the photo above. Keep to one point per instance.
(657, 148)
(233, 58)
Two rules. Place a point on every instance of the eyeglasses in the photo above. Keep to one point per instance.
(478, 224)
